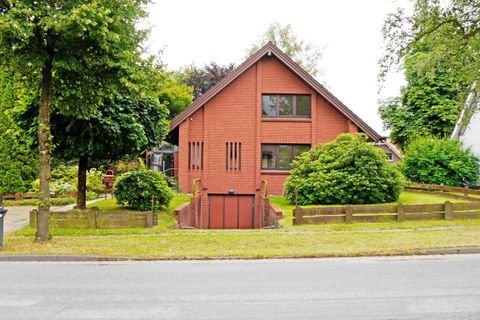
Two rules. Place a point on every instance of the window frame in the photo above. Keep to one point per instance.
(294, 106)
(277, 155)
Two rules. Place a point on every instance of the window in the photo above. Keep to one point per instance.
(233, 158)
(286, 106)
(195, 156)
(280, 156)
(389, 156)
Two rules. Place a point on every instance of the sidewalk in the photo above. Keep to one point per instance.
(19, 216)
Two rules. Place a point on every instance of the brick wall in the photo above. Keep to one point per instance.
(234, 115)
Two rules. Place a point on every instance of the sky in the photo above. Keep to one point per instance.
(348, 32)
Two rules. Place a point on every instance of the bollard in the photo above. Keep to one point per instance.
(3, 212)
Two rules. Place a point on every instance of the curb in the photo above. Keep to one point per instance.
(75, 258)
(57, 258)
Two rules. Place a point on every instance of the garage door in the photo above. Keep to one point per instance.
(231, 211)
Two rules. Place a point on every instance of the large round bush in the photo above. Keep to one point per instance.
(439, 161)
(348, 170)
(135, 189)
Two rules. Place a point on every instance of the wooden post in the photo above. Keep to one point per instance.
(448, 210)
(298, 215)
(33, 218)
(400, 212)
(348, 214)
(149, 223)
(465, 191)
(92, 218)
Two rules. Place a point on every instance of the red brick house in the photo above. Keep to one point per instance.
(248, 128)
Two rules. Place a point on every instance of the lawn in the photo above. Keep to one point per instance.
(163, 242)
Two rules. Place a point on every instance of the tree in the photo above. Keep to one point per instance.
(349, 170)
(438, 47)
(439, 161)
(305, 54)
(123, 127)
(175, 95)
(74, 53)
(18, 165)
(202, 79)
(428, 104)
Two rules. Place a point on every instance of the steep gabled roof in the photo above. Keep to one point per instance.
(271, 49)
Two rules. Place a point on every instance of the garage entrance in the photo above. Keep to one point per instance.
(227, 211)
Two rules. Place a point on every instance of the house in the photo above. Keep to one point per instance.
(248, 129)
(392, 152)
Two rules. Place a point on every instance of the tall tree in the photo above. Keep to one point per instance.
(428, 104)
(438, 47)
(305, 54)
(76, 52)
(202, 79)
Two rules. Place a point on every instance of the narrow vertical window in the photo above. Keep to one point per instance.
(195, 156)
(233, 156)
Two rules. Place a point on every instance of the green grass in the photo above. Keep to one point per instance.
(162, 242)
(250, 244)
(34, 202)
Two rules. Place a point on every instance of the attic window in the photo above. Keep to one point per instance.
(286, 106)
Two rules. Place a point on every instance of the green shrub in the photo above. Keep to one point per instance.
(348, 170)
(439, 161)
(135, 189)
(95, 181)
(64, 179)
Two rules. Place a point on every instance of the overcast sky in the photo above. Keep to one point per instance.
(349, 31)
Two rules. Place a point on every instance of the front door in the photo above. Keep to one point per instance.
(227, 211)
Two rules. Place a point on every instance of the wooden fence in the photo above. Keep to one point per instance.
(379, 213)
(436, 187)
(92, 218)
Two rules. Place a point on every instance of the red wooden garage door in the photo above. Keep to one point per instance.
(231, 211)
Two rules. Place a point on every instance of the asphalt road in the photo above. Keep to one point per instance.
(432, 287)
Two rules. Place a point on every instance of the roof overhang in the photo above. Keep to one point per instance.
(270, 49)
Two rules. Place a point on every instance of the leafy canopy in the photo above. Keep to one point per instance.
(439, 161)
(18, 163)
(202, 79)
(428, 105)
(348, 170)
(305, 54)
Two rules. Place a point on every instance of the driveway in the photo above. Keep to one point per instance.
(16, 218)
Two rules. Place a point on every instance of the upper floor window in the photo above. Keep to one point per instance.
(286, 106)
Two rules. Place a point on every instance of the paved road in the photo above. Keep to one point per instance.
(434, 287)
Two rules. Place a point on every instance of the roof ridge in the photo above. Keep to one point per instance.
(270, 48)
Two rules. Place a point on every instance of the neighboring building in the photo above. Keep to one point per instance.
(392, 153)
(249, 128)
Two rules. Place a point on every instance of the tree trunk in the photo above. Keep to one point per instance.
(44, 147)
(82, 182)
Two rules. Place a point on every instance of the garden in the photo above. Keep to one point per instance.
(165, 241)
